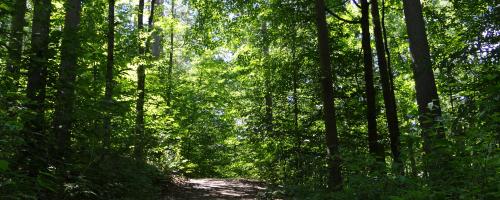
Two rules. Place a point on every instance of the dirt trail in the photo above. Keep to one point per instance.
(217, 189)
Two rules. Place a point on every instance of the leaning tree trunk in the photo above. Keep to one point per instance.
(65, 97)
(374, 146)
(425, 85)
(332, 140)
(35, 90)
(16, 41)
(108, 93)
(388, 91)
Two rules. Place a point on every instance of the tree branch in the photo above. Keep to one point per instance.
(342, 19)
(356, 3)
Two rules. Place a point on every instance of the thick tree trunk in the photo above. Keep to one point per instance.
(332, 140)
(388, 91)
(108, 94)
(141, 77)
(16, 41)
(63, 114)
(374, 146)
(425, 85)
(37, 77)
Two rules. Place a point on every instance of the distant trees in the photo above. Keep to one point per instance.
(251, 89)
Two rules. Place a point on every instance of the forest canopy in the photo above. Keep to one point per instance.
(323, 99)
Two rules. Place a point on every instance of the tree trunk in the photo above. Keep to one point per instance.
(296, 109)
(37, 77)
(374, 146)
(16, 41)
(425, 85)
(108, 94)
(141, 77)
(171, 57)
(150, 25)
(156, 47)
(388, 91)
(386, 46)
(332, 140)
(63, 114)
(268, 97)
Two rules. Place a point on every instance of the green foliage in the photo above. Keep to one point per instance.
(224, 65)
(4, 165)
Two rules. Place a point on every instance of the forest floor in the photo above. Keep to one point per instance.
(216, 189)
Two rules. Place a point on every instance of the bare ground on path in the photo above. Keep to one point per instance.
(216, 189)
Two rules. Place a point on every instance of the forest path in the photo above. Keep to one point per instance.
(217, 189)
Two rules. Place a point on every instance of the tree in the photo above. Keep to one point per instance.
(37, 78)
(425, 84)
(374, 146)
(268, 96)
(388, 91)
(108, 95)
(170, 55)
(16, 40)
(332, 140)
(139, 108)
(141, 81)
(63, 114)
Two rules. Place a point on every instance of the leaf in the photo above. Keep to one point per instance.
(4, 6)
(4, 165)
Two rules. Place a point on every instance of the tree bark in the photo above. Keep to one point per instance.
(108, 93)
(268, 97)
(37, 78)
(332, 140)
(141, 77)
(374, 146)
(156, 48)
(171, 57)
(388, 91)
(296, 110)
(150, 26)
(425, 84)
(16, 41)
(386, 46)
(65, 97)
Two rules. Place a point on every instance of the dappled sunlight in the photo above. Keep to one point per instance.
(212, 189)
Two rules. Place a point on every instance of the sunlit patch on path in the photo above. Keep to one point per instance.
(215, 189)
